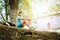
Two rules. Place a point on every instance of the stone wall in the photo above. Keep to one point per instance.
(12, 33)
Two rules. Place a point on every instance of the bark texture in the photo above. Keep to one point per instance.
(13, 9)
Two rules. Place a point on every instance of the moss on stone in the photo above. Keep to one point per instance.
(13, 33)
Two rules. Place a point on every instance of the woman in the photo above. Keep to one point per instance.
(20, 21)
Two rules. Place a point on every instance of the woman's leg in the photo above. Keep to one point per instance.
(26, 22)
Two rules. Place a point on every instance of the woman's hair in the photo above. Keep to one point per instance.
(19, 13)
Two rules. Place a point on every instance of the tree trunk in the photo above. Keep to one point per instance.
(13, 9)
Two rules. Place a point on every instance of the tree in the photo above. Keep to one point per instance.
(2, 14)
(1, 8)
(14, 4)
(6, 4)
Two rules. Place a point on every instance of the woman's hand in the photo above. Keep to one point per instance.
(29, 19)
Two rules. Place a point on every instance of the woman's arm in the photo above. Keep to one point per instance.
(25, 19)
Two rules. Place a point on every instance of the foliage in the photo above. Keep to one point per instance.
(1, 8)
(4, 4)
(26, 9)
(55, 8)
(1, 5)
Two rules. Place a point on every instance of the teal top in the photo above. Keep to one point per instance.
(18, 22)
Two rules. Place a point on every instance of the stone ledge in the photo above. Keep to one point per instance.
(13, 33)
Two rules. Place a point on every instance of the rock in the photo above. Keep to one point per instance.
(13, 33)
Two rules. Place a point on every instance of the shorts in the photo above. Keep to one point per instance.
(20, 25)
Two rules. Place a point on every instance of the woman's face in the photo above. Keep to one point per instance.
(20, 14)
